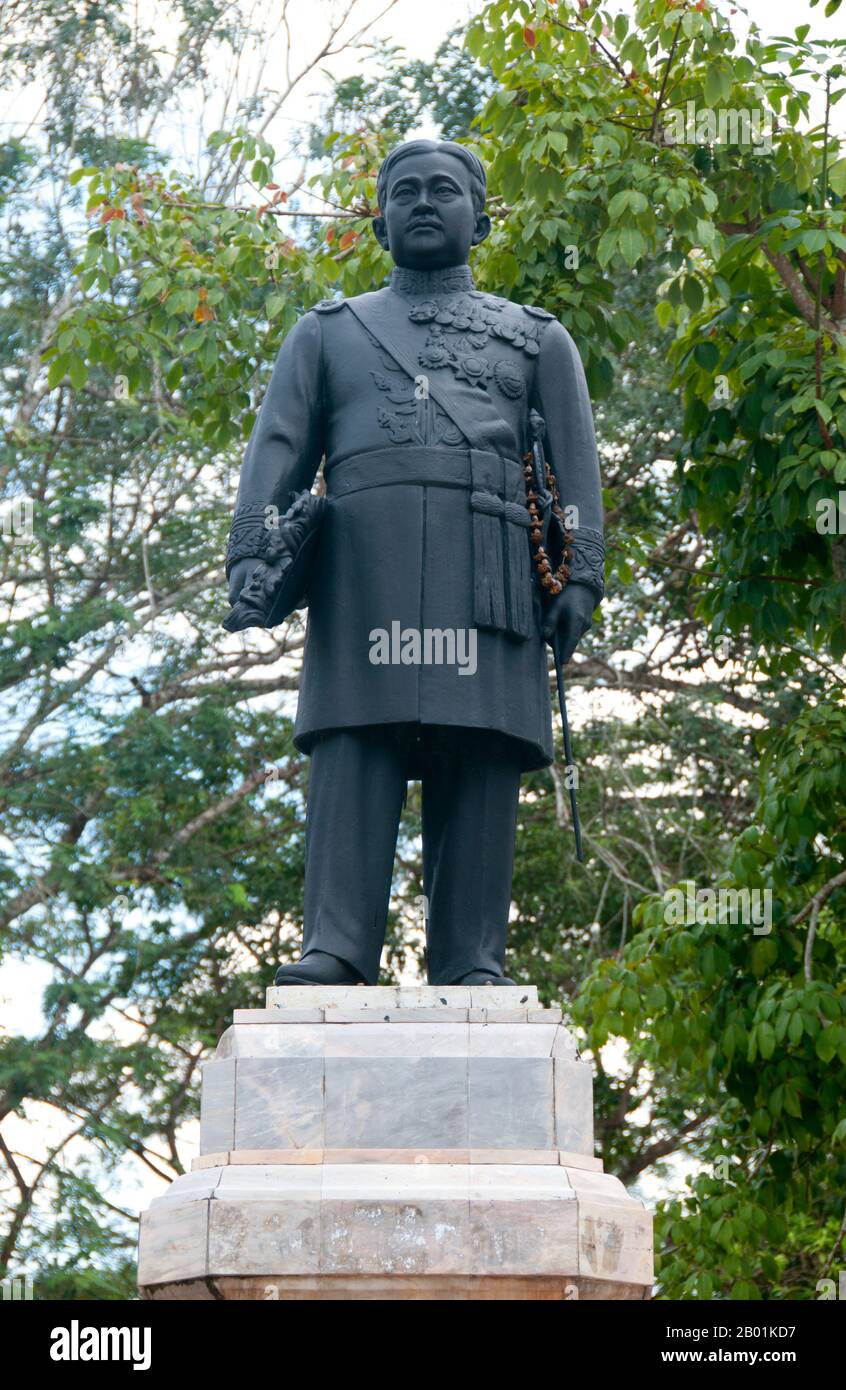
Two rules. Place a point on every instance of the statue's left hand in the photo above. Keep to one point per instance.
(568, 618)
(238, 576)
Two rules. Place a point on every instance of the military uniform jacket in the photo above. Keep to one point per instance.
(425, 528)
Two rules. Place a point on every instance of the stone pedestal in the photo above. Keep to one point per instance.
(386, 1143)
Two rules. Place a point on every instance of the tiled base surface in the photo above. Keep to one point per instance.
(396, 1143)
(404, 1068)
(375, 1221)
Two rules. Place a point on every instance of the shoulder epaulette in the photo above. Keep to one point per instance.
(329, 306)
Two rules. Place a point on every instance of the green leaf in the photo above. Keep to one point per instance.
(814, 241)
(763, 954)
(618, 205)
(706, 355)
(606, 247)
(837, 177)
(274, 305)
(713, 85)
(693, 293)
(78, 373)
(58, 369)
(632, 244)
(766, 1038)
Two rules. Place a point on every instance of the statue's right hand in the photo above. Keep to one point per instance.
(238, 576)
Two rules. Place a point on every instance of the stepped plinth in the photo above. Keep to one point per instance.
(383, 1143)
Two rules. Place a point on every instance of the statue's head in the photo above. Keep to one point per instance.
(432, 204)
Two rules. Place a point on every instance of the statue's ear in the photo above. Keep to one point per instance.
(380, 232)
(481, 229)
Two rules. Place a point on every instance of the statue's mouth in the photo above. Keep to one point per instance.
(424, 227)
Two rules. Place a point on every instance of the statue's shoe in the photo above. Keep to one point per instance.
(318, 968)
(484, 977)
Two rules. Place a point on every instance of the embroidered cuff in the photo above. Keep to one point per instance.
(588, 563)
(249, 533)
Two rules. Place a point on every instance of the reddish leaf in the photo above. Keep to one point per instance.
(138, 207)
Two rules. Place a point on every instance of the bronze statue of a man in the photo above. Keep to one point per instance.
(425, 653)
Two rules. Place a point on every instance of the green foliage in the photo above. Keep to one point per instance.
(152, 798)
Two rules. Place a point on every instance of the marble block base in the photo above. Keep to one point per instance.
(396, 1143)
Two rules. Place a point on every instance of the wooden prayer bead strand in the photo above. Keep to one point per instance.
(552, 583)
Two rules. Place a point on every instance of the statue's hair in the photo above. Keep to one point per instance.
(471, 162)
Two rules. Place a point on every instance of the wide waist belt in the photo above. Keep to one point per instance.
(502, 585)
(426, 468)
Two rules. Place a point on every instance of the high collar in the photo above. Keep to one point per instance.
(422, 284)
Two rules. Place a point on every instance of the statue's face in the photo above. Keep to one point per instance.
(429, 222)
